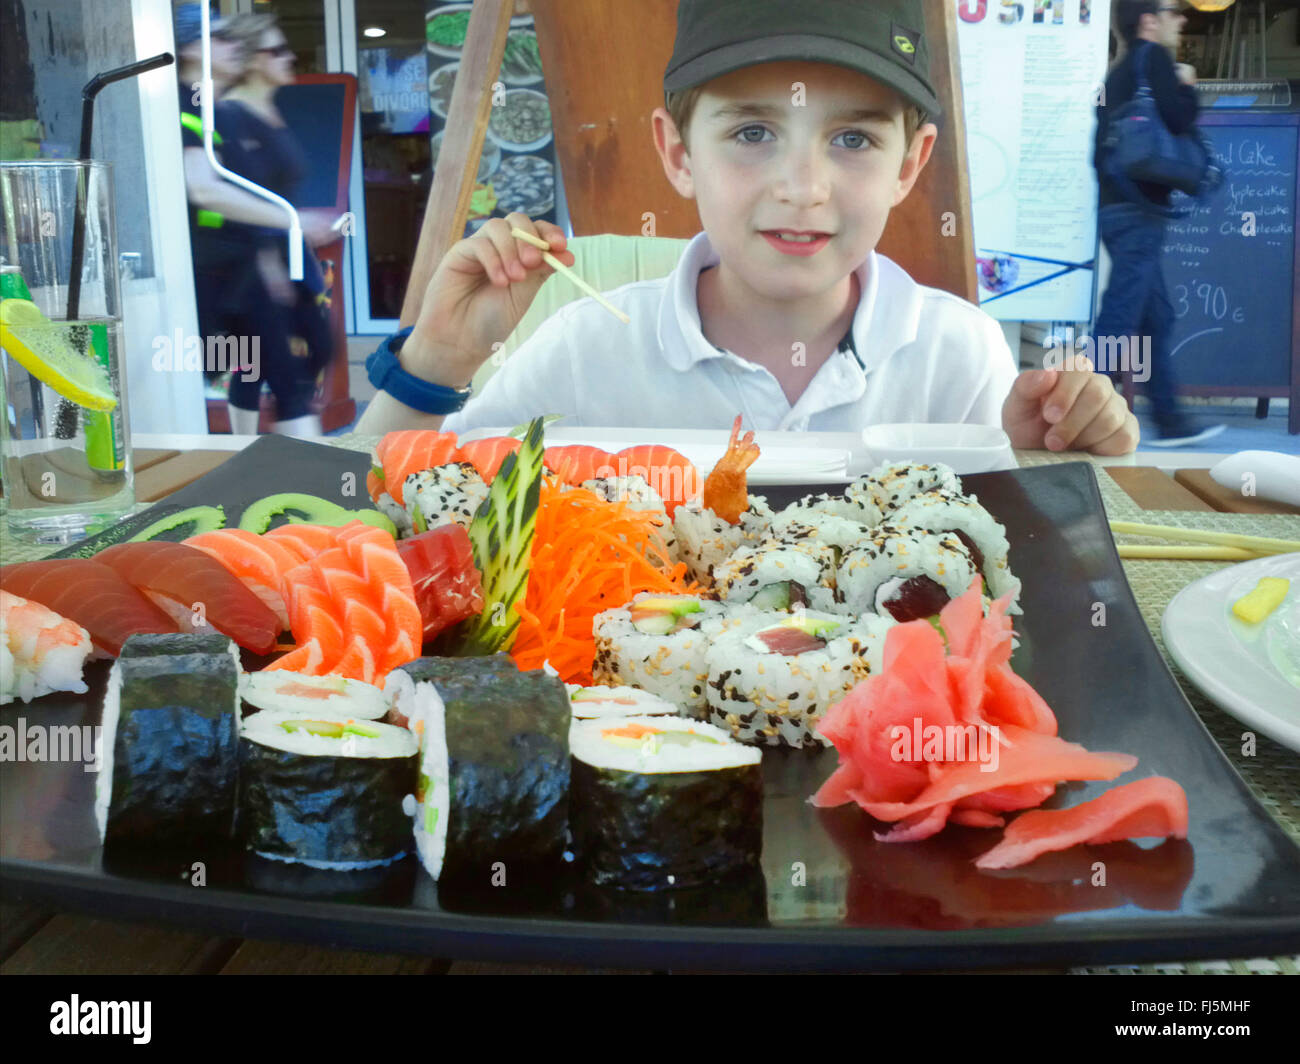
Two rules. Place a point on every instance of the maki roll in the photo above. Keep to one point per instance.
(773, 676)
(982, 536)
(860, 508)
(887, 487)
(325, 791)
(169, 744)
(282, 691)
(779, 575)
(907, 574)
(446, 494)
(664, 803)
(600, 702)
(704, 538)
(657, 643)
(638, 495)
(494, 762)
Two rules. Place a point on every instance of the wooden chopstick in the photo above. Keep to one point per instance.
(559, 267)
(1255, 544)
(1186, 553)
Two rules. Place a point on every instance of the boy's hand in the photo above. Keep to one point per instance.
(476, 297)
(1072, 409)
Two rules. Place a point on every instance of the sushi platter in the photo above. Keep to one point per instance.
(457, 802)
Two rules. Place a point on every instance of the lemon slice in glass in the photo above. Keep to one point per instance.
(42, 348)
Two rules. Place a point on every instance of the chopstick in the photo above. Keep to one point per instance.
(1187, 553)
(1255, 544)
(559, 267)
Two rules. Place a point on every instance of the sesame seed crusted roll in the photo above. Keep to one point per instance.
(980, 533)
(704, 538)
(889, 486)
(906, 573)
(771, 677)
(445, 494)
(657, 643)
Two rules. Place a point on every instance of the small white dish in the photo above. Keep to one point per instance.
(966, 448)
(1237, 666)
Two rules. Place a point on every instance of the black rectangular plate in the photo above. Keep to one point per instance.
(828, 896)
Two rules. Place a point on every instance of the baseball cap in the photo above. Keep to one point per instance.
(188, 19)
(883, 39)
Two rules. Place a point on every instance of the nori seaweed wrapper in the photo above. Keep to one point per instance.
(508, 751)
(175, 752)
(150, 644)
(330, 809)
(634, 830)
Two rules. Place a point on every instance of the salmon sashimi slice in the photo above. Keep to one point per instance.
(668, 472)
(93, 595)
(303, 541)
(487, 455)
(191, 579)
(257, 562)
(1023, 757)
(1155, 807)
(577, 462)
(412, 451)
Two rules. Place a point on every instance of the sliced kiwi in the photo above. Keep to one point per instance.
(203, 518)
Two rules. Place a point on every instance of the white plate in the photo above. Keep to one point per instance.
(1235, 664)
(966, 448)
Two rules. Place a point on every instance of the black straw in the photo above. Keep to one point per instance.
(88, 95)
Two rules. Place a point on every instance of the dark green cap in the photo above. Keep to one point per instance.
(883, 39)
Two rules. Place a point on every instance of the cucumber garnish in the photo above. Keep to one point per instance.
(203, 518)
(502, 535)
(314, 510)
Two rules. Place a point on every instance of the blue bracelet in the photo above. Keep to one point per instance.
(387, 375)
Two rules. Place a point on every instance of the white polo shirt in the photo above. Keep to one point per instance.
(922, 354)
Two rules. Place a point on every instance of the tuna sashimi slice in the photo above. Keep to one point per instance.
(94, 595)
(1155, 807)
(189, 577)
(1023, 757)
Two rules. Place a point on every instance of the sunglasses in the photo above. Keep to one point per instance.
(1168, 9)
(278, 51)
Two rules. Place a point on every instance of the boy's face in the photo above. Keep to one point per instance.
(770, 162)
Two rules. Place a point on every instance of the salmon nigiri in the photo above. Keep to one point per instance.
(487, 455)
(409, 451)
(577, 462)
(669, 472)
(259, 563)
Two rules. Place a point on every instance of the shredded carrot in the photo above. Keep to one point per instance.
(589, 556)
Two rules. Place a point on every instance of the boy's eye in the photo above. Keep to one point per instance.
(743, 134)
(855, 140)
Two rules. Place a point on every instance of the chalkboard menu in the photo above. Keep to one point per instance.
(1230, 267)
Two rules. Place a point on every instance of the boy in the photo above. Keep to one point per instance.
(796, 129)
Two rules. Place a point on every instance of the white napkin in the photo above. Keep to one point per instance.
(1266, 474)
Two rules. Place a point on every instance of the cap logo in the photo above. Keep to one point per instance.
(904, 42)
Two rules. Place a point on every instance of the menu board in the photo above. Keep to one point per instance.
(517, 170)
(1230, 265)
(1031, 74)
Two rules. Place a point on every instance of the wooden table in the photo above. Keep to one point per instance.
(35, 940)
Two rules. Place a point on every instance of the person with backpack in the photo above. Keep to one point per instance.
(1133, 216)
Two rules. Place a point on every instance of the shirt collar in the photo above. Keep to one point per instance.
(873, 337)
